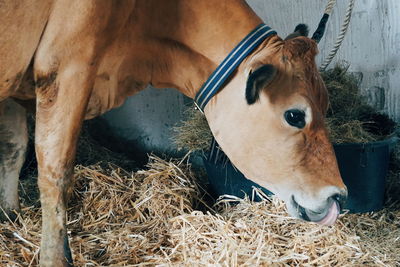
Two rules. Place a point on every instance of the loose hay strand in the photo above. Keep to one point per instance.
(193, 133)
(119, 218)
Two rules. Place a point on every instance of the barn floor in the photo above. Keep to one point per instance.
(157, 216)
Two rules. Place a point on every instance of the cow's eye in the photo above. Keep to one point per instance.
(295, 118)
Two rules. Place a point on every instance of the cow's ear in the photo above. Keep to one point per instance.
(300, 30)
(257, 80)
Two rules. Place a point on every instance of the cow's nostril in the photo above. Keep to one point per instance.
(340, 198)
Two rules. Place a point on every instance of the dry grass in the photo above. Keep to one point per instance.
(118, 218)
(350, 119)
(344, 93)
(193, 133)
(351, 131)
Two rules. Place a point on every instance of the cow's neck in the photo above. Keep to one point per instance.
(194, 37)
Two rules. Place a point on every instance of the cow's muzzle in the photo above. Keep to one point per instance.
(326, 216)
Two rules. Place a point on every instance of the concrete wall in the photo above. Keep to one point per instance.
(148, 117)
(371, 46)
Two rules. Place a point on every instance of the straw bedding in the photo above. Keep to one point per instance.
(151, 217)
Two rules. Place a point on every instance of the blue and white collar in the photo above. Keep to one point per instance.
(230, 63)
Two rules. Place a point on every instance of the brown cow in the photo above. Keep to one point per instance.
(86, 57)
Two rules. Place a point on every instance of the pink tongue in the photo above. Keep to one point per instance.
(331, 216)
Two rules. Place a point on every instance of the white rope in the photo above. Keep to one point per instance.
(329, 7)
(342, 33)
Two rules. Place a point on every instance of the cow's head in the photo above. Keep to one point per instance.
(269, 120)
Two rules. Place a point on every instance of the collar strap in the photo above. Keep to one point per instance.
(230, 63)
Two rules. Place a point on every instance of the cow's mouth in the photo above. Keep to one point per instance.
(327, 216)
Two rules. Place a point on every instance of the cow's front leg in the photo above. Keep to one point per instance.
(13, 142)
(62, 98)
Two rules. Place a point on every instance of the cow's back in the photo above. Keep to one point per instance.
(21, 25)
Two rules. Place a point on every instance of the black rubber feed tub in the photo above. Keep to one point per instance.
(363, 168)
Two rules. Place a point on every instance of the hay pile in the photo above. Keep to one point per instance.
(149, 217)
(349, 118)
(193, 133)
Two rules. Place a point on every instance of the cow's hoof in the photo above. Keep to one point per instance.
(67, 252)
